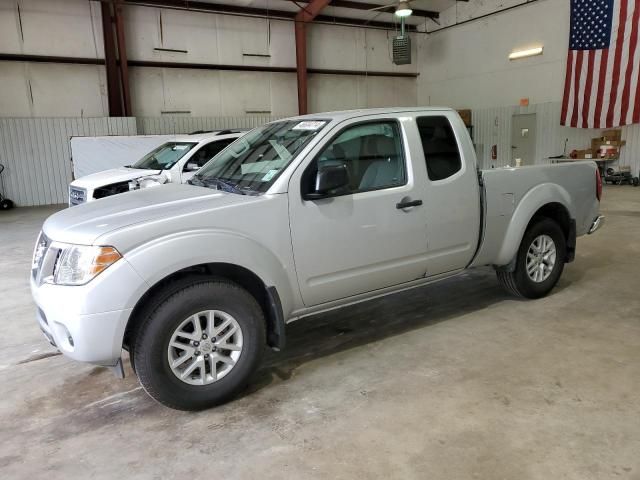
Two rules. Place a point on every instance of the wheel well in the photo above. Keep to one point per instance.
(560, 214)
(554, 211)
(267, 297)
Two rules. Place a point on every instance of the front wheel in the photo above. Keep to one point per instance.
(539, 263)
(200, 346)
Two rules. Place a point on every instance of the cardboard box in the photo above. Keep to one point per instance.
(466, 116)
(584, 154)
(612, 135)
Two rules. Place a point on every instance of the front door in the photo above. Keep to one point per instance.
(358, 239)
(523, 139)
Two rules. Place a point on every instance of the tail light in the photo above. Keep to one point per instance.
(598, 185)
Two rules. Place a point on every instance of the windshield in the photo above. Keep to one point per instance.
(165, 156)
(253, 162)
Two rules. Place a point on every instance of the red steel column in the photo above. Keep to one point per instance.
(122, 54)
(301, 66)
(110, 60)
(304, 16)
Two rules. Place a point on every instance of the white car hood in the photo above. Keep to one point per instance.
(114, 175)
(84, 224)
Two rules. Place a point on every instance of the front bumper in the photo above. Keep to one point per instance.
(95, 338)
(87, 322)
(597, 223)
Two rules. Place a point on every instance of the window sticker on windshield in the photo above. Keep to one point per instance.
(269, 175)
(309, 125)
(180, 147)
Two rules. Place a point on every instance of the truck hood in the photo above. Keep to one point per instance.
(114, 175)
(84, 224)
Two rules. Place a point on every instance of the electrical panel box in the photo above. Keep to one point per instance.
(402, 50)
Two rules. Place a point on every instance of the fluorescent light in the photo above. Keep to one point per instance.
(530, 52)
(403, 9)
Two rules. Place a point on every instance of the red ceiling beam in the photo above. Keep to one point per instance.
(371, 6)
(304, 16)
(240, 10)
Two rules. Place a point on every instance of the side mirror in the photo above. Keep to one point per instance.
(329, 179)
(192, 167)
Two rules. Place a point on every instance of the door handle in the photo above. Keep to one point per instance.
(408, 204)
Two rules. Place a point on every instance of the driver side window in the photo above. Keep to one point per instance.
(370, 152)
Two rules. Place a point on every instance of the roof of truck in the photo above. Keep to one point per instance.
(346, 114)
(212, 135)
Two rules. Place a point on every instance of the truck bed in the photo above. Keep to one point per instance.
(513, 194)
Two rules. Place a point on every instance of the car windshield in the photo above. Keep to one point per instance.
(165, 156)
(253, 162)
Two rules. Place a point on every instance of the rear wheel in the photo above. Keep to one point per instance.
(6, 204)
(199, 348)
(539, 263)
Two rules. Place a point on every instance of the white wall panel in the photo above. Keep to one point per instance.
(212, 92)
(50, 89)
(207, 38)
(343, 92)
(468, 66)
(14, 94)
(60, 28)
(37, 155)
(340, 47)
(9, 28)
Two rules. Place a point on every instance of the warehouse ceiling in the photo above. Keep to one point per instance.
(357, 10)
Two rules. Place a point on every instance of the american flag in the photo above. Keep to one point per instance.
(601, 88)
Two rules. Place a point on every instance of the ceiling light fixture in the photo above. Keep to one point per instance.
(403, 9)
(530, 52)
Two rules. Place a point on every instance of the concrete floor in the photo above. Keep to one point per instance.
(452, 381)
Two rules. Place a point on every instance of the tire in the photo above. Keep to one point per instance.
(518, 282)
(635, 181)
(6, 204)
(152, 351)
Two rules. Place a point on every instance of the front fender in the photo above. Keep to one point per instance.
(531, 202)
(161, 257)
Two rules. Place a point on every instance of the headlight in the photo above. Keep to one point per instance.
(78, 264)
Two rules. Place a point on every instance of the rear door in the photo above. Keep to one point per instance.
(359, 239)
(451, 191)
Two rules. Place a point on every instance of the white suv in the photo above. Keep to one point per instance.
(172, 162)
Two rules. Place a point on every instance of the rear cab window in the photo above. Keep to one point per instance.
(440, 147)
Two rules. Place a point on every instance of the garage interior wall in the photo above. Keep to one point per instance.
(73, 28)
(70, 99)
(467, 66)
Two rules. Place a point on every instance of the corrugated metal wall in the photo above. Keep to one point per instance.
(492, 126)
(37, 156)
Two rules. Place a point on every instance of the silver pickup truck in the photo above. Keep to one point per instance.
(297, 217)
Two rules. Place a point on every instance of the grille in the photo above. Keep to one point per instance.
(402, 50)
(77, 196)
